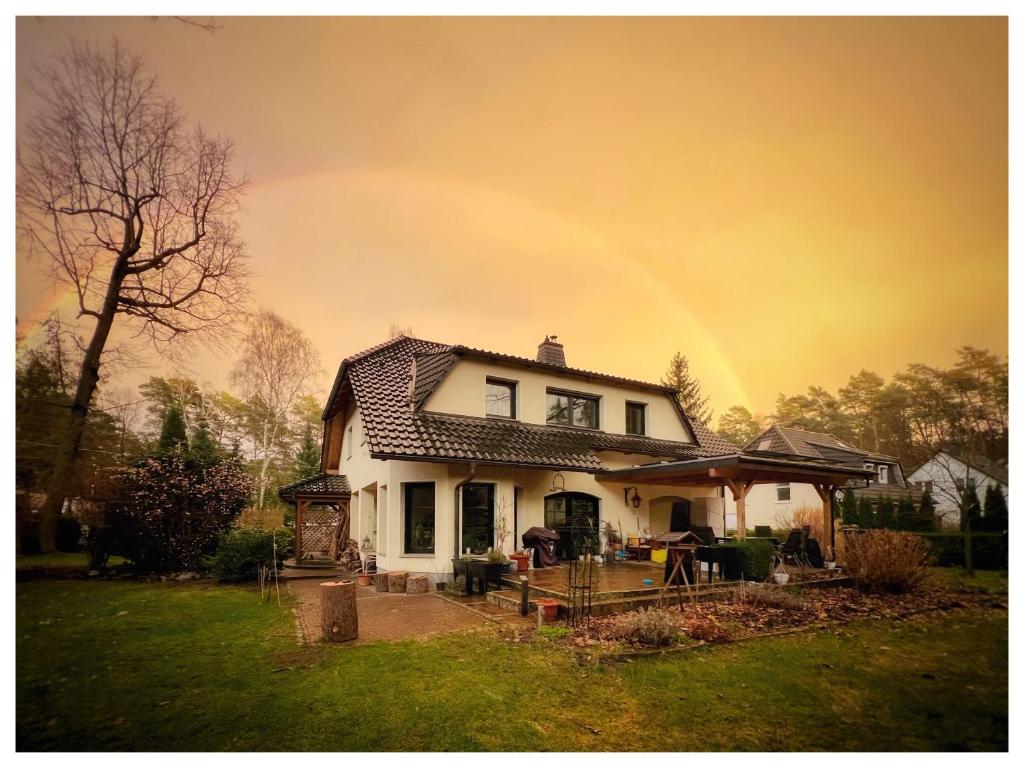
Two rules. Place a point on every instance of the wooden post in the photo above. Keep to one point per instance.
(739, 490)
(339, 620)
(524, 595)
(397, 581)
(828, 537)
(300, 509)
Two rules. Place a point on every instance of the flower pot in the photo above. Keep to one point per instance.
(522, 561)
(830, 565)
(364, 579)
(548, 606)
(781, 578)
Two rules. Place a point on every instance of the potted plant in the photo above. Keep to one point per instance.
(781, 575)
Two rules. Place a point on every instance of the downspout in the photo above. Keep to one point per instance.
(456, 511)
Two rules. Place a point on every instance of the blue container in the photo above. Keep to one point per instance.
(648, 582)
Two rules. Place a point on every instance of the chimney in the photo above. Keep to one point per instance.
(551, 352)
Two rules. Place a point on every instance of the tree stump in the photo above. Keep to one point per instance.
(397, 580)
(417, 585)
(380, 581)
(338, 617)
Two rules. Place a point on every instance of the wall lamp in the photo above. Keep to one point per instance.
(636, 496)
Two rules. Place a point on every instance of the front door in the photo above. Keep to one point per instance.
(477, 518)
(577, 520)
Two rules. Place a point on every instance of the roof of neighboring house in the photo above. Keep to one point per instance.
(392, 381)
(996, 471)
(811, 445)
(317, 486)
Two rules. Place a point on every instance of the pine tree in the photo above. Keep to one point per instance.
(970, 508)
(690, 396)
(906, 515)
(173, 438)
(865, 513)
(203, 449)
(926, 512)
(996, 515)
(848, 509)
(886, 517)
(307, 459)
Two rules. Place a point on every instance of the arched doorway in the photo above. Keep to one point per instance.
(577, 519)
(669, 513)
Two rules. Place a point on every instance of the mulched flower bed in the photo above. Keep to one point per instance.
(752, 615)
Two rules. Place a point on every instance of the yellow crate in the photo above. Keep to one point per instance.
(659, 555)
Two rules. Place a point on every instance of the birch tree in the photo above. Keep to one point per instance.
(133, 211)
(278, 365)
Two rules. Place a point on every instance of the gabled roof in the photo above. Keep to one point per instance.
(392, 381)
(317, 486)
(997, 472)
(792, 441)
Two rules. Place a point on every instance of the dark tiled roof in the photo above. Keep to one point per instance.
(317, 485)
(791, 441)
(383, 386)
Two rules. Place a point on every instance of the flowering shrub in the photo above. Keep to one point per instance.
(168, 512)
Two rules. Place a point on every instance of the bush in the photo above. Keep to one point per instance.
(652, 627)
(886, 561)
(169, 512)
(241, 552)
(773, 597)
(69, 535)
(753, 560)
(990, 551)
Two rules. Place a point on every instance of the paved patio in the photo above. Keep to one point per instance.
(384, 616)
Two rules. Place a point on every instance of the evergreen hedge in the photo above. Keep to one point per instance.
(990, 551)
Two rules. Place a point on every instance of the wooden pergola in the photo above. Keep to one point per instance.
(322, 517)
(740, 472)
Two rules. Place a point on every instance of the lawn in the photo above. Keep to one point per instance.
(118, 665)
(71, 560)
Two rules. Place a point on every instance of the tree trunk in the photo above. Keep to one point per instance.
(58, 488)
(397, 580)
(417, 585)
(339, 619)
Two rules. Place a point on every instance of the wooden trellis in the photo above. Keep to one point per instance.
(322, 529)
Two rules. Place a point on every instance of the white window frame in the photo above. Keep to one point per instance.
(789, 492)
(883, 474)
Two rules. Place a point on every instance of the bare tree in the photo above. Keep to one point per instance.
(278, 365)
(133, 211)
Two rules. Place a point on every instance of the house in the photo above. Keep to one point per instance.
(945, 476)
(435, 450)
(775, 505)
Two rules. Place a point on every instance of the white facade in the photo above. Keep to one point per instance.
(773, 504)
(944, 475)
(378, 504)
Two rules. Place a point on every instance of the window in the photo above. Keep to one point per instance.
(883, 473)
(382, 521)
(348, 443)
(572, 410)
(636, 419)
(501, 398)
(477, 517)
(868, 465)
(419, 518)
(782, 492)
(923, 485)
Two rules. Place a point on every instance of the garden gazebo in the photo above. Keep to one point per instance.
(321, 515)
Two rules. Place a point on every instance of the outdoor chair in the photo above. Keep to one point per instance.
(763, 531)
(793, 549)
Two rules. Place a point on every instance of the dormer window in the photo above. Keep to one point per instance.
(883, 473)
(573, 410)
(636, 418)
(501, 398)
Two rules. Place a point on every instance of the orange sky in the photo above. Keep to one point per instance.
(785, 201)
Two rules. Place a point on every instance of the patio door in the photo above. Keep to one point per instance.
(577, 520)
(477, 518)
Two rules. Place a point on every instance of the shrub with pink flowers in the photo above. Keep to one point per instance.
(168, 512)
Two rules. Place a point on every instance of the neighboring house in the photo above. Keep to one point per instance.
(945, 477)
(775, 504)
(433, 450)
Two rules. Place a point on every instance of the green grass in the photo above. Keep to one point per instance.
(125, 665)
(60, 560)
(986, 582)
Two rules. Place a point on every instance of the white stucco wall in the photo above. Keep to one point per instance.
(463, 392)
(763, 507)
